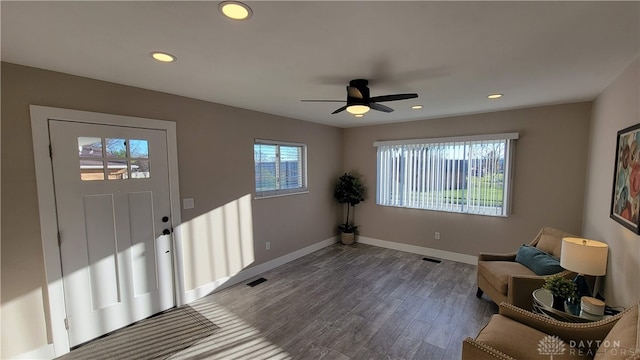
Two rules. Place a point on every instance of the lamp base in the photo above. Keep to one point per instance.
(582, 286)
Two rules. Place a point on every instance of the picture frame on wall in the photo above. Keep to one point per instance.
(625, 200)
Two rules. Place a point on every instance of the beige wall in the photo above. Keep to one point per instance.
(215, 168)
(616, 108)
(550, 162)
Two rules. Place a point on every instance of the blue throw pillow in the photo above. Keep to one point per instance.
(538, 261)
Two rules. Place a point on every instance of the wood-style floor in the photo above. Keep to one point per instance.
(347, 302)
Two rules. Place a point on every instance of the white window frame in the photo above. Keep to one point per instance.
(303, 164)
(394, 193)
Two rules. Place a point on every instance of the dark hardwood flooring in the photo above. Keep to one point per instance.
(347, 302)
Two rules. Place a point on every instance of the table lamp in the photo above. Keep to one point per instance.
(585, 257)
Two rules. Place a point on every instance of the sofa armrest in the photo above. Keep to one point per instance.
(496, 257)
(521, 287)
(520, 290)
(473, 350)
(579, 333)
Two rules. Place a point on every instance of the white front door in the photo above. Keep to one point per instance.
(113, 207)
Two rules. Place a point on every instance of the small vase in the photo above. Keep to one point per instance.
(572, 306)
(558, 302)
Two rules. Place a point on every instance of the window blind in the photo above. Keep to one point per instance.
(466, 175)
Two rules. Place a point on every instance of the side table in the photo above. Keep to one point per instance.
(543, 304)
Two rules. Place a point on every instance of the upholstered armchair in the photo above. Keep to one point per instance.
(518, 334)
(504, 279)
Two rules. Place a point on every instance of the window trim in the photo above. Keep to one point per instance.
(509, 156)
(503, 136)
(304, 189)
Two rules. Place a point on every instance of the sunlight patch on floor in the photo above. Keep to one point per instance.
(235, 339)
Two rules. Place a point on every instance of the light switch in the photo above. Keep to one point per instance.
(188, 203)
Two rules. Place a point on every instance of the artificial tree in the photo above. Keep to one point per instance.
(349, 190)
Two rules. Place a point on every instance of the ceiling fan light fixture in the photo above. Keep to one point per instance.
(359, 101)
(358, 109)
(235, 10)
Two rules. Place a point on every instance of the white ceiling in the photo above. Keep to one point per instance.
(453, 54)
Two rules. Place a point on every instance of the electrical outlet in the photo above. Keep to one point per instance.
(437, 236)
(268, 245)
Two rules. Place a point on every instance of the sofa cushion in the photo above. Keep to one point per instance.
(623, 341)
(497, 273)
(550, 244)
(523, 342)
(538, 261)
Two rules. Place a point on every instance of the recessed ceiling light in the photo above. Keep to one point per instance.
(235, 10)
(494, 96)
(358, 115)
(163, 56)
(416, 107)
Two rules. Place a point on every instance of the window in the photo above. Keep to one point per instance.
(121, 158)
(465, 174)
(280, 167)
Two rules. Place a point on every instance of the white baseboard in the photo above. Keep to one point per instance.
(441, 254)
(255, 270)
(45, 352)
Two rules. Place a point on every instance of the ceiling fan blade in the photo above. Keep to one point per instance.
(380, 107)
(323, 100)
(393, 97)
(354, 92)
(340, 109)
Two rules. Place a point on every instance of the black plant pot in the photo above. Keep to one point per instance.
(558, 302)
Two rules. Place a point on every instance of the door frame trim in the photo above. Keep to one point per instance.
(40, 116)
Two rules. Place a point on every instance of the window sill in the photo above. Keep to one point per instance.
(280, 195)
(445, 211)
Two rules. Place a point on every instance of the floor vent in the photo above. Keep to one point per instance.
(432, 260)
(257, 282)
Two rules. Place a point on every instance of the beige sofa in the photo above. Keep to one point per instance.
(518, 334)
(505, 280)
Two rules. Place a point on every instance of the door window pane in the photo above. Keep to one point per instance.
(116, 148)
(117, 169)
(90, 153)
(138, 149)
(140, 169)
(91, 169)
(89, 147)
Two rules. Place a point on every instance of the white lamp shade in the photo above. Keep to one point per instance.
(587, 257)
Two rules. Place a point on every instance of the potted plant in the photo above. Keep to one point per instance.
(350, 191)
(562, 290)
